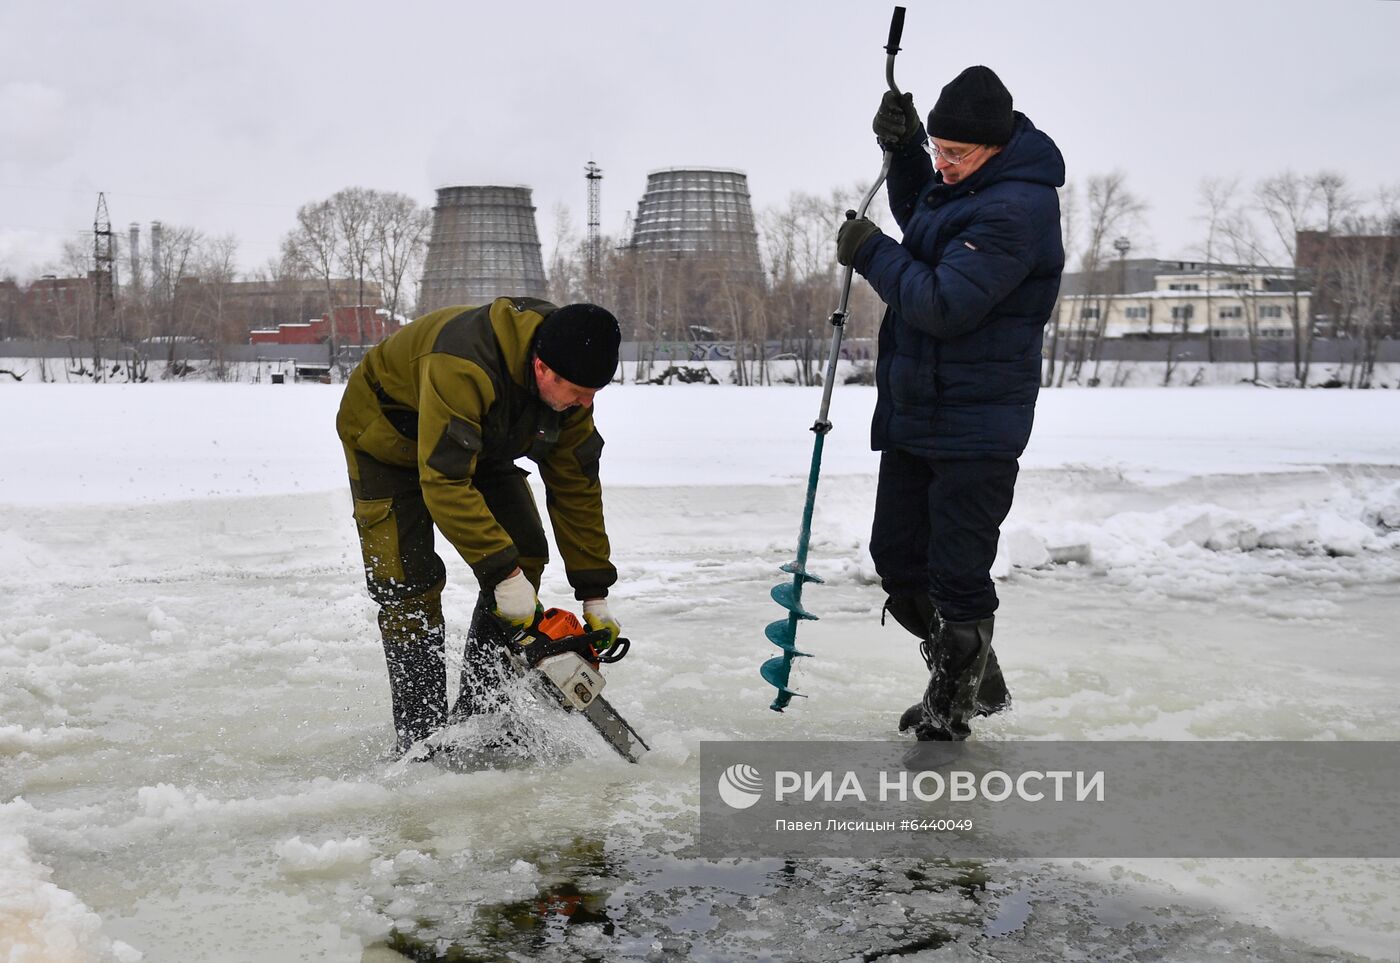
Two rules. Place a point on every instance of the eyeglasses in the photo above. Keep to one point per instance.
(951, 158)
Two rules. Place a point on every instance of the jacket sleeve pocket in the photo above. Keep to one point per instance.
(456, 449)
(589, 454)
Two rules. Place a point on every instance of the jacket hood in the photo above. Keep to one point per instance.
(1030, 155)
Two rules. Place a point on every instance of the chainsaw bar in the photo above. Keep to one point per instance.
(615, 730)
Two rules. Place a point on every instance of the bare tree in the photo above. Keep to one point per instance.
(1069, 234)
(566, 260)
(74, 317)
(1111, 211)
(312, 249)
(1366, 273)
(1290, 205)
(355, 222)
(171, 319)
(400, 238)
(374, 239)
(1214, 195)
(802, 270)
(740, 299)
(1240, 239)
(1336, 199)
(804, 280)
(216, 270)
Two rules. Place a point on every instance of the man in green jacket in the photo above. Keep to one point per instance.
(432, 421)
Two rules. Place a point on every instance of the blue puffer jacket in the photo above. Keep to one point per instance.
(969, 292)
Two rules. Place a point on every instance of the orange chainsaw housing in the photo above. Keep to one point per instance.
(560, 624)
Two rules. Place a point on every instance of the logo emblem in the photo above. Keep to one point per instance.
(740, 786)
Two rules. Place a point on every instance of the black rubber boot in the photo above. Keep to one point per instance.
(485, 664)
(414, 646)
(917, 615)
(957, 660)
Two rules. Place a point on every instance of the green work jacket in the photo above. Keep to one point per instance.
(453, 394)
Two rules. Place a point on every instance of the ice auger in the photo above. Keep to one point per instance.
(783, 633)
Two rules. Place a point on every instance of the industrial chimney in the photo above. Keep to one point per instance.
(484, 245)
(157, 233)
(134, 232)
(700, 211)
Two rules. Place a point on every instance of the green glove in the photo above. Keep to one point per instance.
(596, 616)
(854, 232)
(896, 122)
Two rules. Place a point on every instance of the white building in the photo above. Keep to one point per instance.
(1218, 303)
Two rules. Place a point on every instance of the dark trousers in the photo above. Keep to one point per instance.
(406, 576)
(937, 523)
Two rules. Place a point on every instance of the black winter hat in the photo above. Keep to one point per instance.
(579, 342)
(974, 108)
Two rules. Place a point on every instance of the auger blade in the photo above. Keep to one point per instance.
(792, 568)
(781, 633)
(786, 595)
(776, 672)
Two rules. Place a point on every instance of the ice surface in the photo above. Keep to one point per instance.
(192, 696)
(329, 858)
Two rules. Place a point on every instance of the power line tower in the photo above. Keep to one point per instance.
(594, 174)
(104, 282)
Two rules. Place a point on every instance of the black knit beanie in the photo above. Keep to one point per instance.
(579, 343)
(974, 108)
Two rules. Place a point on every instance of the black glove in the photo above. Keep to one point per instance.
(854, 232)
(896, 122)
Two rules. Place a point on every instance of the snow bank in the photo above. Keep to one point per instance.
(1348, 529)
(109, 444)
(42, 922)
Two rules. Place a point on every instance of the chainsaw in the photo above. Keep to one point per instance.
(560, 657)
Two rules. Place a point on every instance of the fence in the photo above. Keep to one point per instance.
(1195, 350)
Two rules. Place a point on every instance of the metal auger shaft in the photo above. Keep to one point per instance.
(783, 633)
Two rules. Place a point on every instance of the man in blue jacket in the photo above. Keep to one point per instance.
(969, 290)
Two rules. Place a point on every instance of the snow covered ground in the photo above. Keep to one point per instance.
(192, 694)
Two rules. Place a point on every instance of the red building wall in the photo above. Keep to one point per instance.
(348, 322)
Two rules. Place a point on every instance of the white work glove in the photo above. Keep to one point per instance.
(596, 616)
(515, 600)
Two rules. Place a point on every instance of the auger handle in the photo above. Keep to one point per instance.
(838, 317)
(896, 31)
(892, 48)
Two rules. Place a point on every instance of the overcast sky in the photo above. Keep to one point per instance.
(225, 116)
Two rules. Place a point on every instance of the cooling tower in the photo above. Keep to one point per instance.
(484, 245)
(700, 211)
